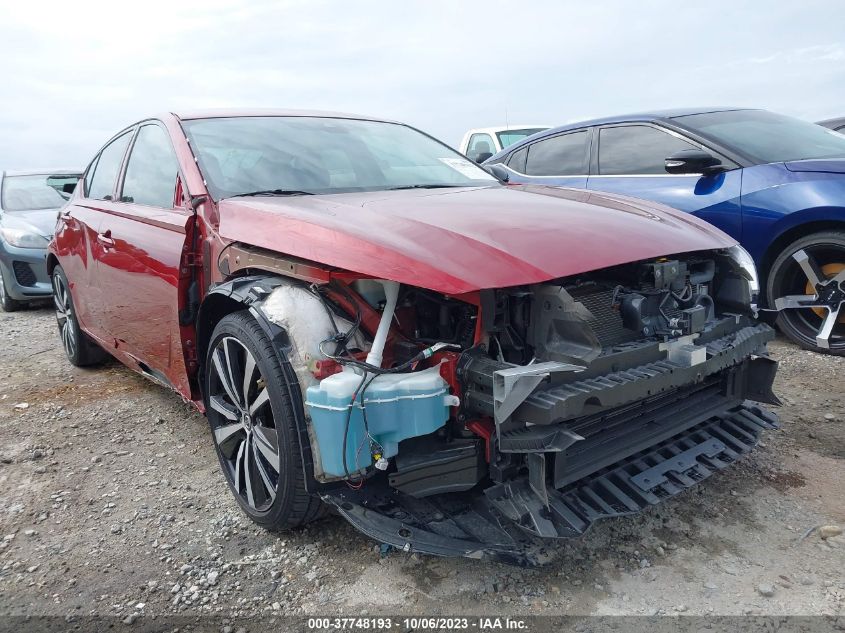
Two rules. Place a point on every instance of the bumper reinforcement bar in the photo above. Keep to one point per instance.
(507, 520)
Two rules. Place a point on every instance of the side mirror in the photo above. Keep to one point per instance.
(693, 161)
(498, 170)
(69, 187)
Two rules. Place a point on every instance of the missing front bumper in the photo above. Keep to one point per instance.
(511, 522)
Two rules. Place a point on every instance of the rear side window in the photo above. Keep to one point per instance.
(564, 155)
(480, 147)
(108, 164)
(152, 168)
(636, 149)
(517, 160)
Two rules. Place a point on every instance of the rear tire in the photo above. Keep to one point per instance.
(253, 426)
(6, 302)
(807, 284)
(80, 350)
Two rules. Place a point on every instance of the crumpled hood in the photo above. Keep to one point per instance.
(821, 165)
(460, 240)
(40, 222)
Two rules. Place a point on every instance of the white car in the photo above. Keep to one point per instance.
(481, 143)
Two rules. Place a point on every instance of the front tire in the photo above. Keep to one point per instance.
(253, 425)
(6, 302)
(80, 350)
(807, 284)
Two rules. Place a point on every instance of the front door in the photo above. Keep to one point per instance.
(630, 159)
(141, 272)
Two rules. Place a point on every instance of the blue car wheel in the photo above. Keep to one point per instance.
(807, 284)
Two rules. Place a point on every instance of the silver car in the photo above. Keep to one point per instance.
(29, 203)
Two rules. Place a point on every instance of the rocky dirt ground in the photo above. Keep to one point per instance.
(111, 503)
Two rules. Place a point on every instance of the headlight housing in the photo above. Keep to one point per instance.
(20, 238)
(745, 264)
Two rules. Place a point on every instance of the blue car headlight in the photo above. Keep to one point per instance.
(20, 238)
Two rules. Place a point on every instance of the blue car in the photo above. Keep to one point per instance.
(29, 204)
(775, 183)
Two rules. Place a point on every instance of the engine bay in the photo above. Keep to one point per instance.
(434, 398)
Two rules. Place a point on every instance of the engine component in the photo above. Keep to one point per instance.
(559, 328)
(394, 407)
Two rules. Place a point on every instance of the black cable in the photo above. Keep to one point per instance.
(348, 421)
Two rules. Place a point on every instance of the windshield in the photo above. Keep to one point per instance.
(767, 137)
(322, 155)
(43, 191)
(509, 137)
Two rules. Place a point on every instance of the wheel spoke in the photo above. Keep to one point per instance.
(226, 432)
(797, 301)
(823, 337)
(809, 266)
(267, 442)
(233, 373)
(239, 466)
(223, 375)
(249, 372)
(262, 397)
(224, 408)
(248, 459)
(265, 477)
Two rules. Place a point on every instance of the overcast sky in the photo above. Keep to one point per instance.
(73, 73)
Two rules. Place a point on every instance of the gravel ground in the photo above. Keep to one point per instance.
(111, 503)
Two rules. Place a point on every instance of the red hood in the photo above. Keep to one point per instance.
(460, 240)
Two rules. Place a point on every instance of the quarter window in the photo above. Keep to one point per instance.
(636, 149)
(151, 172)
(517, 160)
(107, 168)
(480, 147)
(564, 155)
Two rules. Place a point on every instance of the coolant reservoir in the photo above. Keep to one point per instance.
(398, 406)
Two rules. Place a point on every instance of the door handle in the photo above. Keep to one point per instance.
(105, 239)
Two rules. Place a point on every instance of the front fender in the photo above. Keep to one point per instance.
(776, 200)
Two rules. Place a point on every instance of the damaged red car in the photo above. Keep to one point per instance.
(375, 325)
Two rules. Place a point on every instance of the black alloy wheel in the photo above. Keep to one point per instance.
(253, 426)
(79, 349)
(807, 286)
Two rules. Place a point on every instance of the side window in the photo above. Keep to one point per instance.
(480, 147)
(151, 172)
(636, 149)
(517, 160)
(564, 155)
(108, 166)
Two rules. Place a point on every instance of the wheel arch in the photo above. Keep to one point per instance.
(240, 294)
(796, 226)
(227, 298)
(52, 262)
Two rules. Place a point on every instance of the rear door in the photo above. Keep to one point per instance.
(141, 272)
(630, 159)
(560, 160)
(77, 243)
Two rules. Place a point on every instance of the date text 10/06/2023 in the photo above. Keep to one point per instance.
(416, 623)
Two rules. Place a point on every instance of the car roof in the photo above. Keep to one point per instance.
(217, 113)
(503, 128)
(832, 122)
(43, 172)
(655, 115)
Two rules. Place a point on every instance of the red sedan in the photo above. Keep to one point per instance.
(374, 324)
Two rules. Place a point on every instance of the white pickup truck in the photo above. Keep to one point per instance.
(481, 143)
